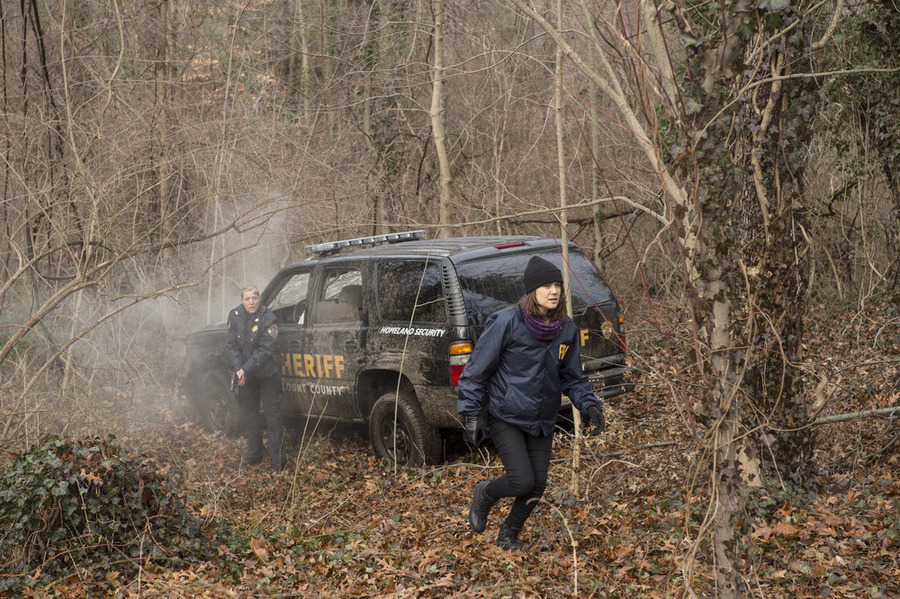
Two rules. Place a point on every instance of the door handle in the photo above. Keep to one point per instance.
(351, 345)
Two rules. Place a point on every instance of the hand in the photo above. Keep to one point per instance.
(240, 377)
(595, 414)
(475, 433)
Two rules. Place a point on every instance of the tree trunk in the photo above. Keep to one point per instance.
(726, 483)
(564, 232)
(596, 175)
(7, 241)
(164, 171)
(302, 76)
(772, 243)
(437, 118)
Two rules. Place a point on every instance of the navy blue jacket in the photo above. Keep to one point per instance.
(524, 377)
(251, 342)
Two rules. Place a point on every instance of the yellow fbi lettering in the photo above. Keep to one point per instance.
(563, 348)
(324, 366)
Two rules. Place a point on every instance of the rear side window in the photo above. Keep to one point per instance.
(410, 289)
(342, 297)
(490, 285)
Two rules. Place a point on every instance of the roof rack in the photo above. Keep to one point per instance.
(336, 246)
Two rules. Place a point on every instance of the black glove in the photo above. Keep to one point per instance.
(595, 414)
(475, 433)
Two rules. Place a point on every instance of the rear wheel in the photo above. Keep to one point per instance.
(213, 403)
(412, 442)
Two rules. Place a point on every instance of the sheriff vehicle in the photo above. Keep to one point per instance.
(378, 329)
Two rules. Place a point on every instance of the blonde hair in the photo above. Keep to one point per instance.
(249, 289)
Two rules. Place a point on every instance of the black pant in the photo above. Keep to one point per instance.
(526, 459)
(250, 394)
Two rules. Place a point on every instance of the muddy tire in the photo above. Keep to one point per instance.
(417, 442)
(213, 404)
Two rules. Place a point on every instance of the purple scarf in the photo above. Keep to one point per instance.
(541, 329)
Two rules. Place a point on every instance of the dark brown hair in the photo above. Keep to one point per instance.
(530, 305)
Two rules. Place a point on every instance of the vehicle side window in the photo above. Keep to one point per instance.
(491, 285)
(410, 289)
(342, 297)
(289, 304)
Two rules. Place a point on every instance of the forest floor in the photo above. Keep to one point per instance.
(340, 523)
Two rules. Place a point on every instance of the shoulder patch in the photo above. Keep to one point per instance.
(273, 331)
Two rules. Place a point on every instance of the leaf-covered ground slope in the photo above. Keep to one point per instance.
(338, 523)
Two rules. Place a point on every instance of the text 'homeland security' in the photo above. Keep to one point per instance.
(412, 331)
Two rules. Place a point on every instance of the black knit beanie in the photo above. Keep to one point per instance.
(540, 272)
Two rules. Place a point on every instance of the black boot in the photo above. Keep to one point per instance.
(481, 507)
(255, 450)
(279, 464)
(508, 538)
(251, 459)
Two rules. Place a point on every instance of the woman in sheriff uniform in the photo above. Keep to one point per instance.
(256, 363)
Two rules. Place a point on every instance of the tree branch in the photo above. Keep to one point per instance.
(876, 412)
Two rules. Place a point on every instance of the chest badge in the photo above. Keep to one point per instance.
(254, 329)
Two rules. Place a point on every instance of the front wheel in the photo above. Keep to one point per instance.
(214, 405)
(412, 442)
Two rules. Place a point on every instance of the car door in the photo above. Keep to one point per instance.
(338, 325)
(288, 297)
(412, 336)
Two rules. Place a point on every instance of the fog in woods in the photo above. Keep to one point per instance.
(730, 168)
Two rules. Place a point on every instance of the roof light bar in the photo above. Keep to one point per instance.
(336, 246)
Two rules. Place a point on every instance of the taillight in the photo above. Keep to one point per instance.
(459, 355)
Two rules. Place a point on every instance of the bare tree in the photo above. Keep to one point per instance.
(731, 174)
(437, 117)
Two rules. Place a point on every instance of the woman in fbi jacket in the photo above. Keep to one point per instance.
(525, 359)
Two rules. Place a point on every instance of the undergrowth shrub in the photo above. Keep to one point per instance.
(86, 506)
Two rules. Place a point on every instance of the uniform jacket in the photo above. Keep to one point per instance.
(522, 377)
(251, 342)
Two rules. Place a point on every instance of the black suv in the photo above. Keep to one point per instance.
(378, 330)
